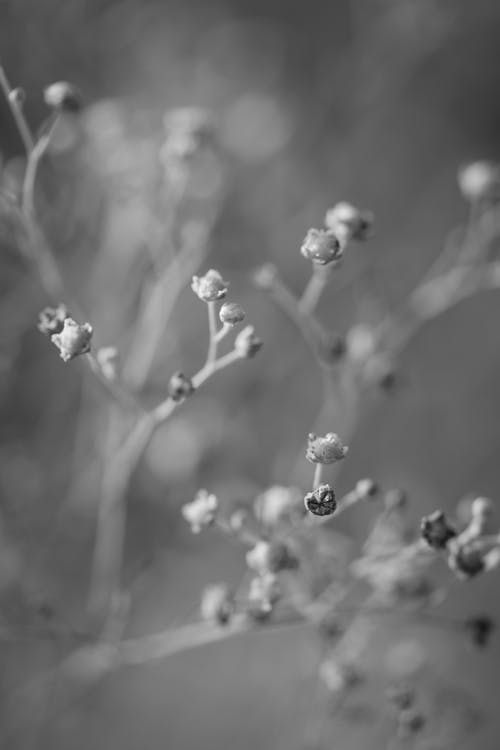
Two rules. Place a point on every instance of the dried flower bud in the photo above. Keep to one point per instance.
(436, 530)
(63, 96)
(17, 97)
(271, 557)
(107, 357)
(325, 450)
(479, 180)
(480, 628)
(201, 512)
(321, 501)
(265, 276)
(231, 313)
(349, 222)
(401, 696)
(180, 386)
(51, 319)
(217, 604)
(263, 593)
(366, 489)
(73, 340)
(410, 722)
(210, 287)
(466, 560)
(276, 504)
(247, 344)
(321, 247)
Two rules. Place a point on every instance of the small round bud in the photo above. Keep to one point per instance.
(321, 247)
(210, 287)
(436, 531)
(276, 503)
(247, 344)
(479, 180)
(63, 96)
(321, 501)
(217, 604)
(107, 357)
(466, 560)
(480, 628)
(366, 489)
(481, 508)
(271, 557)
(265, 276)
(349, 222)
(188, 130)
(51, 319)
(74, 339)
(263, 593)
(180, 386)
(231, 313)
(325, 450)
(201, 512)
(17, 97)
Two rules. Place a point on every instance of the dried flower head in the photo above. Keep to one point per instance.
(74, 339)
(247, 344)
(436, 530)
(321, 501)
(180, 386)
(479, 181)
(202, 511)
(366, 489)
(265, 276)
(325, 450)
(210, 287)
(63, 96)
(321, 247)
(107, 357)
(51, 319)
(276, 503)
(480, 628)
(263, 593)
(349, 222)
(271, 557)
(231, 313)
(217, 604)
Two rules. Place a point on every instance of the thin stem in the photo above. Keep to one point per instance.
(212, 331)
(313, 290)
(318, 473)
(17, 113)
(111, 518)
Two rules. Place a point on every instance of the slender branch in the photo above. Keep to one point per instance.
(17, 112)
(313, 290)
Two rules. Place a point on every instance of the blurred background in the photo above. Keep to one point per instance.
(373, 101)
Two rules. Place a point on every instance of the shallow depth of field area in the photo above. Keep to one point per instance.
(249, 280)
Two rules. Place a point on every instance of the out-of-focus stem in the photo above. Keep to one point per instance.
(17, 113)
(313, 290)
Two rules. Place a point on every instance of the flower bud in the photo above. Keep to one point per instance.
(201, 512)
(63, 96)
(17, 97)
(263, 593)
(436, 530)
(321, 247)
(321, 501)
(107, 357)
(51, 319)
(366, 489)
(247, 344)
(467, 560)
(217, 604)
(271, 557)
(231, 313)
(325, 450)
(210, 287)
(276, 504)
(180, 386)
(265, 276)
(74, 339)
(349, 222)
(479, 180)
(480, 628)
(188, 130)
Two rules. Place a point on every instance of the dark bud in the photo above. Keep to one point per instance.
(321, 501)
(436, 530)
(180, 386)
